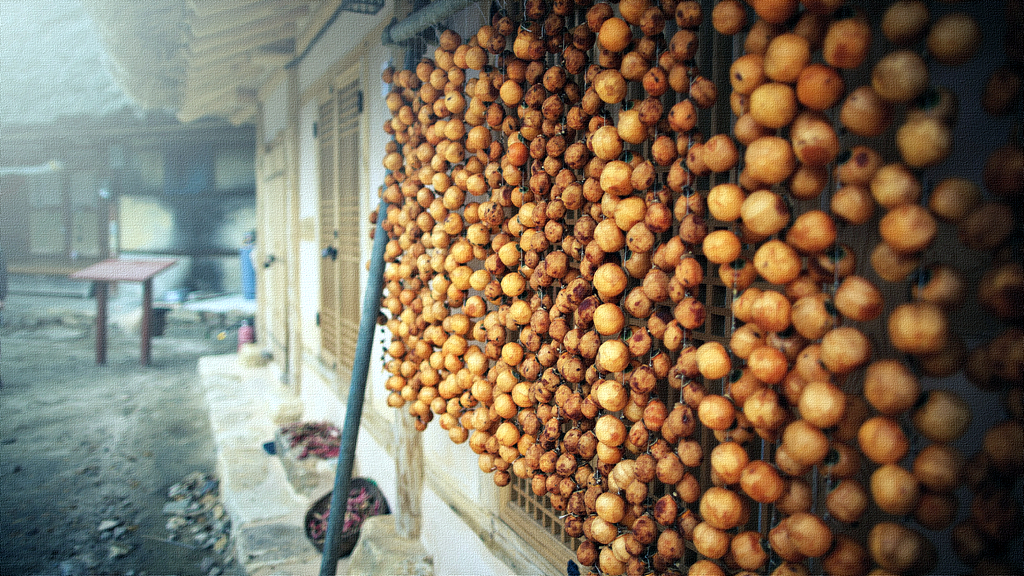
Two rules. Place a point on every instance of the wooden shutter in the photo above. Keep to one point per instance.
(338, 139)
(328, 315)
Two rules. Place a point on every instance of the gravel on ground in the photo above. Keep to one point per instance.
(89, 454)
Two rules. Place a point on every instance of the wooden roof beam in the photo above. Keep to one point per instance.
(221, 78)
(273, 60)
(260, 58)
(205, 27)
(206, 9)
(236, 113)
(320, 14)
(226, 102)
(243, 39)
(200, 103)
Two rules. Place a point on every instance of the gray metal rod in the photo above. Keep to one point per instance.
(419, 20)
(356, 394)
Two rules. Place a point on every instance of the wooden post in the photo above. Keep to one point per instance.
(101, 321)
(408, 510)
(147, 317)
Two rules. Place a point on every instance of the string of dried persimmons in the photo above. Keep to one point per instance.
(550, 225)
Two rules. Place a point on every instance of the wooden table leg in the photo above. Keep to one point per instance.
(147, 315)
(101, 322)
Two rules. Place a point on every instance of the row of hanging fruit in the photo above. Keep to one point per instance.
(559, 198)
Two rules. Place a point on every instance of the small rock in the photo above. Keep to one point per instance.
(221, 544)
(208, 501)
(177, 490)
(178, 507)
(72, 568)
(108, 525)
(208, 487)
(176, 523)
(206, 564)
(117, 551)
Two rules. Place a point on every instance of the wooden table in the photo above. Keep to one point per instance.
(117, 270)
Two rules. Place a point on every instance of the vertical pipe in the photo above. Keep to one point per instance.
(356, 393)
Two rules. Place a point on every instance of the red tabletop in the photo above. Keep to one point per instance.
(116, 270)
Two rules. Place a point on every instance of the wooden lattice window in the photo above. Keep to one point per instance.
(338, 145)
(537, 522)
(533, 517)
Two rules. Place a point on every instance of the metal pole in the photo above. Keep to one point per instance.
(356, 393)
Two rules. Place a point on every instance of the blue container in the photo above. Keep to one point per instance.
(248, 272)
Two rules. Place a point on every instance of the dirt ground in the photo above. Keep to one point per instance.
(86, 447)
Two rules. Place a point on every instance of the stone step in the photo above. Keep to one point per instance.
(267, 513)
